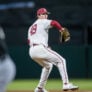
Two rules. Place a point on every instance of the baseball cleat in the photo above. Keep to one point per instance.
(70, 86)
(40, 90)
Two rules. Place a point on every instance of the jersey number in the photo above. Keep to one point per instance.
(33, 29)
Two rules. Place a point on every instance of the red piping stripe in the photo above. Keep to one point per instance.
(51, 51)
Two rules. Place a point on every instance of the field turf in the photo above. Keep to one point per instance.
(26, 85)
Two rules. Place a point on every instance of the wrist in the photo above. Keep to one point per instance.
(62, 29)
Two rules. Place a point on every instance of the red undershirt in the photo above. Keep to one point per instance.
(56, 24)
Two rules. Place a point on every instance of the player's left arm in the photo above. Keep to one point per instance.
(56, 24)
(64, 32)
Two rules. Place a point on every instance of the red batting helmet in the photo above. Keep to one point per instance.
(42, 11)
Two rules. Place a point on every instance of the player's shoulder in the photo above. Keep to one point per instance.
(46, 19)
(43, 20)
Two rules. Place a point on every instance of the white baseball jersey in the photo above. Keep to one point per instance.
(38, 32)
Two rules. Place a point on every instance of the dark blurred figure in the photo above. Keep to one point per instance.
(7, 67)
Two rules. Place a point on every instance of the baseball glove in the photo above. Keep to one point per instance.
(65, 35)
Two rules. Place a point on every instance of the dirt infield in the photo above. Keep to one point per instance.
(50, 91)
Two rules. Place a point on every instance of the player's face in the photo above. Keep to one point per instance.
(43, 16)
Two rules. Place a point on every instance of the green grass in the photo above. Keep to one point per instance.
(84, 84)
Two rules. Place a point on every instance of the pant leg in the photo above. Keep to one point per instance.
(53, 57)
(46, 69)
(60, 63)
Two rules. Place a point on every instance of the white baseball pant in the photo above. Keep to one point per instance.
(46, 57)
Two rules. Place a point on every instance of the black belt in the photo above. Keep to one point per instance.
(35, 44)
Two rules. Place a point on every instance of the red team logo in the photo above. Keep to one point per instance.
(33, 29)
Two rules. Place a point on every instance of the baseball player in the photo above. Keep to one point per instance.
(7, 67)
(42, 54)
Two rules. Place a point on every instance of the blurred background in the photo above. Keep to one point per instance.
(17, 15)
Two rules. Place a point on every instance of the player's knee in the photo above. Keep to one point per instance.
(49, 66)
(62, 61)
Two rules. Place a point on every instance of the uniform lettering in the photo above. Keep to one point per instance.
(33, 29)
